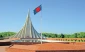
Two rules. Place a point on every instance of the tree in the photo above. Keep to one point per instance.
(62, 35)
(75, 35)
(5, 34)
(55, 35)
(81, 35)
(1, 36)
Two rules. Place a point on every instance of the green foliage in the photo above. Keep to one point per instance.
(6, 34)
(75, 35)
(62, 35)
(82, 35)
(49, 35)
(1, 36)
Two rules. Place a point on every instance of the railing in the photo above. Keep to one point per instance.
(68, 39)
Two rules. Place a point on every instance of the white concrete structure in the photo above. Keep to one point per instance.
(27, 30)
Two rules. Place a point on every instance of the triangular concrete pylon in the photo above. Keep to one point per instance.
(27, 30)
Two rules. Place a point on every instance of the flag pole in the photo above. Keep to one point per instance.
(41, 26)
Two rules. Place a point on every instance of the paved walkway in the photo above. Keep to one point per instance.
(2, 48)
(8, 40)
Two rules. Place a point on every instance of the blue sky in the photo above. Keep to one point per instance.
(58, 16)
